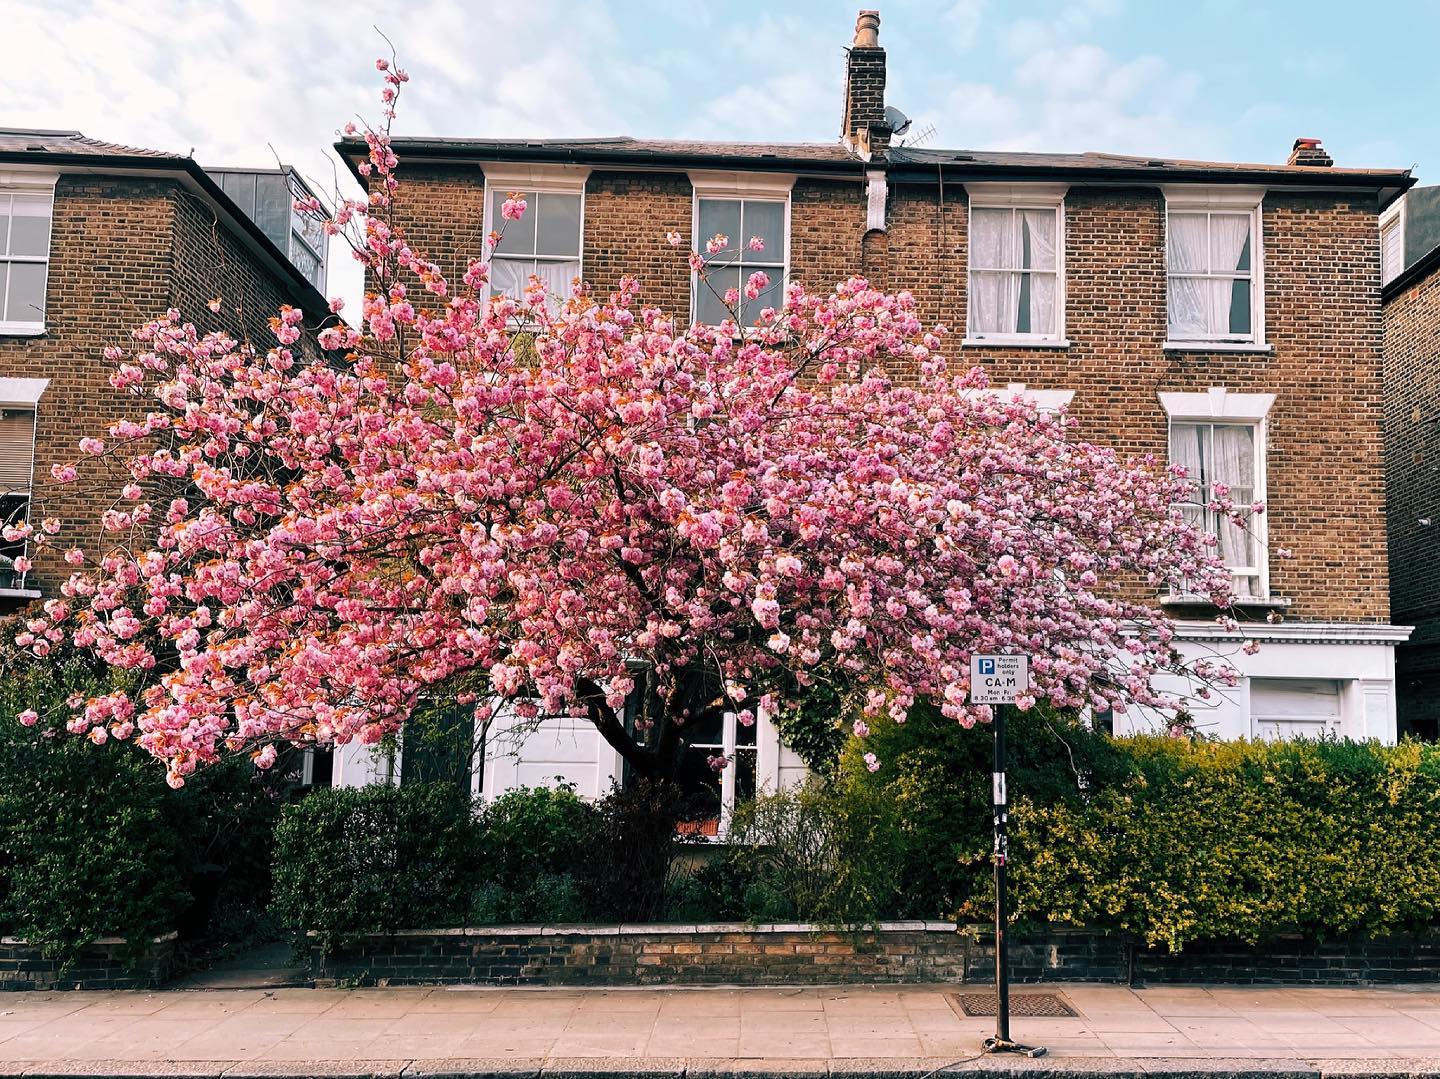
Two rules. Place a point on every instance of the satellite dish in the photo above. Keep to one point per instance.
(898, 121)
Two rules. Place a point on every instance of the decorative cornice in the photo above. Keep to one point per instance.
(775, 185)
(1217, 403)
(1296, 632)
(535, 176)
(1021, 194)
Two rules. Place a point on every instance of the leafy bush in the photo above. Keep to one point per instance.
(935, 778)
(351, 861)
(813, 855)
(1203, 840)
(535, 852)
(93, 843)
(633, 862)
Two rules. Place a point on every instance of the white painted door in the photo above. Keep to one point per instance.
(1294, 707)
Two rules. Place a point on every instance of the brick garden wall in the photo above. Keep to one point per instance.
(895, 952)
(109, 963)
(1412, 445)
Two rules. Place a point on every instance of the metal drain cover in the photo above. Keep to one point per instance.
(1028, 1005)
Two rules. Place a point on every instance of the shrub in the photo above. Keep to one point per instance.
(536, 846)
(815, 855)
(352, 861)
(1202, 840)
(935, 779)
(632, 864)
(93, 843)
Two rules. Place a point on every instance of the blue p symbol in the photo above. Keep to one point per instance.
(987, 666)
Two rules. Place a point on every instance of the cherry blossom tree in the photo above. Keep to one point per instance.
(550, 504)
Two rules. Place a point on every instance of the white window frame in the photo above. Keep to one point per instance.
(28, 183)
(1019, 197)
(1219, 406)
(738, 186)
(729, 748)
(1194, 199)
(1392, 218)
(538, 179)
(23, 395)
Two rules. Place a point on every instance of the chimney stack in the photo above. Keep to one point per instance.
(864, 128)
(1310, 152)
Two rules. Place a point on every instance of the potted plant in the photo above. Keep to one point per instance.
(7, 571)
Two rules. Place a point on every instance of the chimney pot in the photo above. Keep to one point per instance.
(867, 30)
(1309, 152)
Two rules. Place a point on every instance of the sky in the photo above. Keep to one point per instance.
(238, 82)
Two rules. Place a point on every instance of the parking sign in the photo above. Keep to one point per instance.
(998, 679)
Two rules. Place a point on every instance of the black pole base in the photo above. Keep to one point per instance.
(1002, 1045)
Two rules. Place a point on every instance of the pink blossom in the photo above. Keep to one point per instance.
(545, 504)
(872, 763)
(29, 717)
(756, 244)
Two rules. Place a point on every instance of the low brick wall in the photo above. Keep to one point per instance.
(108, 963)
(892, 952)
(729, 954)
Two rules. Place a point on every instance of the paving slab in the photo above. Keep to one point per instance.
(847, 1032)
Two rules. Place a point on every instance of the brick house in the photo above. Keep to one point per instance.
(95, 239)
(1410, 242)
(1224, 315)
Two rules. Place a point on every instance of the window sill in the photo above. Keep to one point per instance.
(22, 329)
(1015, 342)
(1257, 602)
(20, 593)
(1215, 346)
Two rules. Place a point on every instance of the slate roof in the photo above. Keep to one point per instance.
(72, 151)
(31, 140)
(904, 162)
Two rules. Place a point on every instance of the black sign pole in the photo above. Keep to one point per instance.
(1001, 1043)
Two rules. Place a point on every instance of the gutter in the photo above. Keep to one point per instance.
(853, 168)
(1388, 185)
(194, 178)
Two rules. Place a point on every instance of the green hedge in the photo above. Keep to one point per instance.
(1239, 841)
(351, 861)
(93, 843)
(1169, 839)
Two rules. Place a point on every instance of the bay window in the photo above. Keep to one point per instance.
(1016, 265)
(1214, 272)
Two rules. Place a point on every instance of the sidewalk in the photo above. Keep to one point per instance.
(843, 1031)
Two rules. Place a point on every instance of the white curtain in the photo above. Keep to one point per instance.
(1228, 236)
(1039, 234)
(511, 276)
(994, 296)
(1187, 242)
(1234, 466)
(558, 279)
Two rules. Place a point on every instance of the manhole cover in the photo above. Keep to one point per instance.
(1031, 1005)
